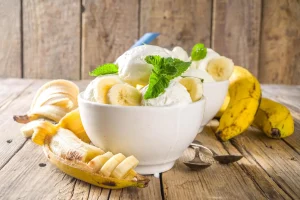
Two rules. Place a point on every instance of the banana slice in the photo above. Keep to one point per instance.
(97, 163)
(111, 164)
(193, 86)
(125, 95)
(220, 68)
(124, 167)
(103, 85)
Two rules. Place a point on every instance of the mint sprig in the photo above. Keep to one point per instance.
(198, 52)
(108, 68)
(164, 70)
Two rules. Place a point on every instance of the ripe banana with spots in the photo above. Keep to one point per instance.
(52, 102)
(245, 94)
(274, 119)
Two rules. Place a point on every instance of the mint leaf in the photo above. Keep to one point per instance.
(199, 52)
(164, 70)
(157, 85)
(108, 68)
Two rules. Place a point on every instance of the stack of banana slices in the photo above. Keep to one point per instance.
(54, 122)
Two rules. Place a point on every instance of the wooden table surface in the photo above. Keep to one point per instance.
(270, 168)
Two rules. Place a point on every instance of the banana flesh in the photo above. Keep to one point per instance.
(124, 95)
(193, 86)
(274, 119)
(102, 87)
(52, 101)
(220, 68)
(245, 94)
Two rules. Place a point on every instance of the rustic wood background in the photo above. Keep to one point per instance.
(66, 39)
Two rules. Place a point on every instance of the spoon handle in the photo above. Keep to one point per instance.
(199, 144)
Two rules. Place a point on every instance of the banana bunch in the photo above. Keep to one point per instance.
(245, 94)
(52, 102)
(111, 90)
(274, 119)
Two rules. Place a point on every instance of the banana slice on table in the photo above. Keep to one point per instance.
(125, 95)
(220, 68)
(194, 87)
(103, 85)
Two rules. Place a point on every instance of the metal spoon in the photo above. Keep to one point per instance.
(197, 163)
(224, 159)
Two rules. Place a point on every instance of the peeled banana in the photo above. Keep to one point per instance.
(245, 94)
(220, 68)
(52, 101)
(90, 163)
(274, 119)
(193, 86)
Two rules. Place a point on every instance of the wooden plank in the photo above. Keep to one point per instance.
(236, 31)
(11, 89)
(51, 32)
(218, 181)
(279, 53)
(11, 140)
(150, 192)
(180, 23)
(277, 159)
(108, 29)
(10, 38)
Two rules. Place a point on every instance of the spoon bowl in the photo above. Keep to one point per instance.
(197, 163)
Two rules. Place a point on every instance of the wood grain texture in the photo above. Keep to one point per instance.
(10, 38)
(150, 192)
(236, 31)
(218, 181)
(280, 42)
(180, 23)
(51, 32)
(108, 29)
(277, 158)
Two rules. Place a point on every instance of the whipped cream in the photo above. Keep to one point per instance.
(175, 94)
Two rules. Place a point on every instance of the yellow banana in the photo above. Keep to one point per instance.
(224, 106)
(274, 119)
(245, 94)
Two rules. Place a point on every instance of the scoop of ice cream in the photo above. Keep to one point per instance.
(175, 94)
(181, 54)
(133, 69)
(199, 73)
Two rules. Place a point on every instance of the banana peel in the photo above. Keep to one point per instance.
(80, 170)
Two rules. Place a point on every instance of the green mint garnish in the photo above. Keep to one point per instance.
(164, 70)
(108, 68)
(199, 52)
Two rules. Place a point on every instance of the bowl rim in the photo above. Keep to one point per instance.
(216, 83)
(81, 99)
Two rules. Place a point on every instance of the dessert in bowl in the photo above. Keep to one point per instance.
(146, 105)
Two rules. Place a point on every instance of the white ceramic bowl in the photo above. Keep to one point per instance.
(156, 136)
(215, 93)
